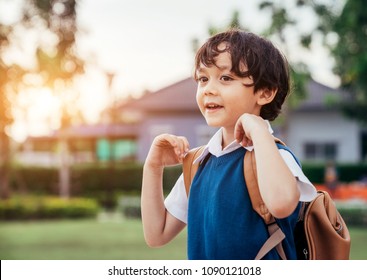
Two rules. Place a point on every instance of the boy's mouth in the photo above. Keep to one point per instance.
(212, 106)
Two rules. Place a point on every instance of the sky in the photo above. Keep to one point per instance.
(147, 45)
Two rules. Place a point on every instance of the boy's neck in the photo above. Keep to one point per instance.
(227, 137)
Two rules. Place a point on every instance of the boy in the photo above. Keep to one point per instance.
(243, 81)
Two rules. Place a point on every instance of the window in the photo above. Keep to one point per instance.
(364, 145)
(330, 151)
(320, 151)
(124, 149)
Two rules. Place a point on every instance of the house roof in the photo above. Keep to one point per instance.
(179, 96)
(98, 130)
(92, 131)
(320, 97)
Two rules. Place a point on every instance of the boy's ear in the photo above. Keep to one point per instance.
(265, 96)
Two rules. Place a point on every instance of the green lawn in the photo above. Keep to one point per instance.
(98, 240)
(84, 239)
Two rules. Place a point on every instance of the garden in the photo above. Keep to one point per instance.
(102, 220)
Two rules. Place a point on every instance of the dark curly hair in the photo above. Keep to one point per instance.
(266, 65)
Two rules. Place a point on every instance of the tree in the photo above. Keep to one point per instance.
(350, 53)
(233, 23)
(342, 25)
(9, 74)
(56, 63)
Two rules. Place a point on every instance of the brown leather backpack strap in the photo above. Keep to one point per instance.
(277, 140)
(189, 168)
(250, 175)
(276, 234)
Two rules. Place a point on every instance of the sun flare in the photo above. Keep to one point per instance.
(37, 113)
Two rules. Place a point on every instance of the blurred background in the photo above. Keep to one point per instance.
(86, 85)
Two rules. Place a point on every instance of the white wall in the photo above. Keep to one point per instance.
(325, 127)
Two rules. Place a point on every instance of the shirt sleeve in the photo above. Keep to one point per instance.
(306, 188)
(176, 201)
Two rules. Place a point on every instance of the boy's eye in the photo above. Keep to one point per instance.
(202, 79)
(226, 78)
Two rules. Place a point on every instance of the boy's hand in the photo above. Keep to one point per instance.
(247, 127)
(166, 150)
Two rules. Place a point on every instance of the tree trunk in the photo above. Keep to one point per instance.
(4, 165)
(64, 171)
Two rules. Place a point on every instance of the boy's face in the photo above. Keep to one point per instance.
(222, 96)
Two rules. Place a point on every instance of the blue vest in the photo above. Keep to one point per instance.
(221, 222)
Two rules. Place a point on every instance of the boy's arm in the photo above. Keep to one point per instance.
(277, 185)
(159, 226)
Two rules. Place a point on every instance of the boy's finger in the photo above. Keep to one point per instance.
(182, 145)
(239, 132)
(185, 142)
(165, 140)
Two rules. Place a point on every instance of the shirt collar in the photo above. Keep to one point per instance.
(214, 146)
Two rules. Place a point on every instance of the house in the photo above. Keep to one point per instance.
(86, 143)
(316, 130)
(319, 131)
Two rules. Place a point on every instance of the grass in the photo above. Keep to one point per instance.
(102, 240)
(359, 243)
(82, 240)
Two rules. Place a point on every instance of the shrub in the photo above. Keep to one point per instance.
(47, 207)
(130, 207)
(346, 172)
(103, 183)
(354, 215)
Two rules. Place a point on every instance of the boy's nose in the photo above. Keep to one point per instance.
(210, 89)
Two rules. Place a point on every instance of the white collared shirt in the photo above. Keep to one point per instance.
(176, 202)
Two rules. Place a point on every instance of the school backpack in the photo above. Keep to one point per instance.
(320, 232)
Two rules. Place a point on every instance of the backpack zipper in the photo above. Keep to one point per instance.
(305, 252)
